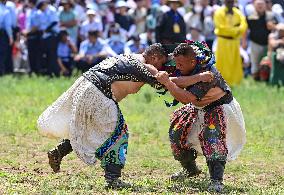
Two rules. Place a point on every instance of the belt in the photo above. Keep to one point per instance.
(226, 37)
(226, 99)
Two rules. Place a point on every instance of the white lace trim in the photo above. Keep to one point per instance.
(87, 115)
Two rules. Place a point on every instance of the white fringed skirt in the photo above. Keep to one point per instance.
(82, 114)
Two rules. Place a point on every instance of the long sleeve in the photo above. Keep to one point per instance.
(229, 25)
(243, 25)
(8, 25)
(222, 28)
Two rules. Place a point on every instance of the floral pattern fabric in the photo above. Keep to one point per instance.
(212, 134)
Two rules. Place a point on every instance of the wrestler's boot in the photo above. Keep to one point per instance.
(216, 171)
(190, 169)
(55, 155)
(112, 175)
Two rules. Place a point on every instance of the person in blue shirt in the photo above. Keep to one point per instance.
(92, 51)
(65, 51)
(49, 25)
(11, 6)
(6, 37)
(33, 34)
(115, 40)
(135, 45)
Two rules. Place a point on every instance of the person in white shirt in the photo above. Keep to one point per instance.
(93, 23)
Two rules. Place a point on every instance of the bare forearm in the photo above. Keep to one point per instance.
(179, 94)
(185, 81)
(152, 69)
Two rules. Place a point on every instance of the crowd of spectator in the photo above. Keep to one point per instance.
(52, 37)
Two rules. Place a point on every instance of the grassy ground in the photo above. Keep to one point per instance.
(24, 167)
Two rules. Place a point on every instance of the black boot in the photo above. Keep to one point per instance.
(187, 161)
(55, 155)
(216, 171)
(112, 175)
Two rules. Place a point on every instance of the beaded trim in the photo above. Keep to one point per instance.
(110, 69)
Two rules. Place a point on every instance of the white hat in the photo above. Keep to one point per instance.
(277, 8)
(120, 4)
(91, 12)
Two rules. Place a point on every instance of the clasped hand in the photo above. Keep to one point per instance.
(162, 77)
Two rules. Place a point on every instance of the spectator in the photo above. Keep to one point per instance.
(93, 23)
(20, 56)
(207, 22)
(151, 19)
(106, 11)
(195, 34)
(49, 24)
(139, 15)
(124, 19)
(92, 51)
(13, 14)
(10, 4)
(208, 30)
(279, 13)
(194, 18)
(80, 11)
(22, 18)
(164, 6)
(6, 36)
(280, 2)
(67, 18)
(171, 26)
(260, 24)
(33, 34)
(201, 18)
(276, 53)
(135, 45)
(65, 50)
(230, 25)
(115, 40)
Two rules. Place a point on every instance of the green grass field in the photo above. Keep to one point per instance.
(24, 166)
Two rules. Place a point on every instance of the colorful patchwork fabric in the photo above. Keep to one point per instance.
(114, 149)
(181, 124)
(212, 136)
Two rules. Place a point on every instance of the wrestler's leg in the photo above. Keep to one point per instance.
(213, 143)
(114, 160)
(178, 133)
(56, 154)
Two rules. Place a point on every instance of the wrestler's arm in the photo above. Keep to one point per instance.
(146, 74)
(152, 69)
(185, 81)
(180, 94)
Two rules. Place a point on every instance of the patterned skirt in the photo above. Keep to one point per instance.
(218, 134)
(92, 122)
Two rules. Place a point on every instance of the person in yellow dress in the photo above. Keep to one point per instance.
(230, 25)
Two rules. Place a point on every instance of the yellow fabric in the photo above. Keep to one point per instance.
(228, 58)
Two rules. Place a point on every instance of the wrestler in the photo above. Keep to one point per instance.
(211, 122)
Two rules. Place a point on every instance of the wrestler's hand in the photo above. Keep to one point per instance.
(206, 76)
(162, 77)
